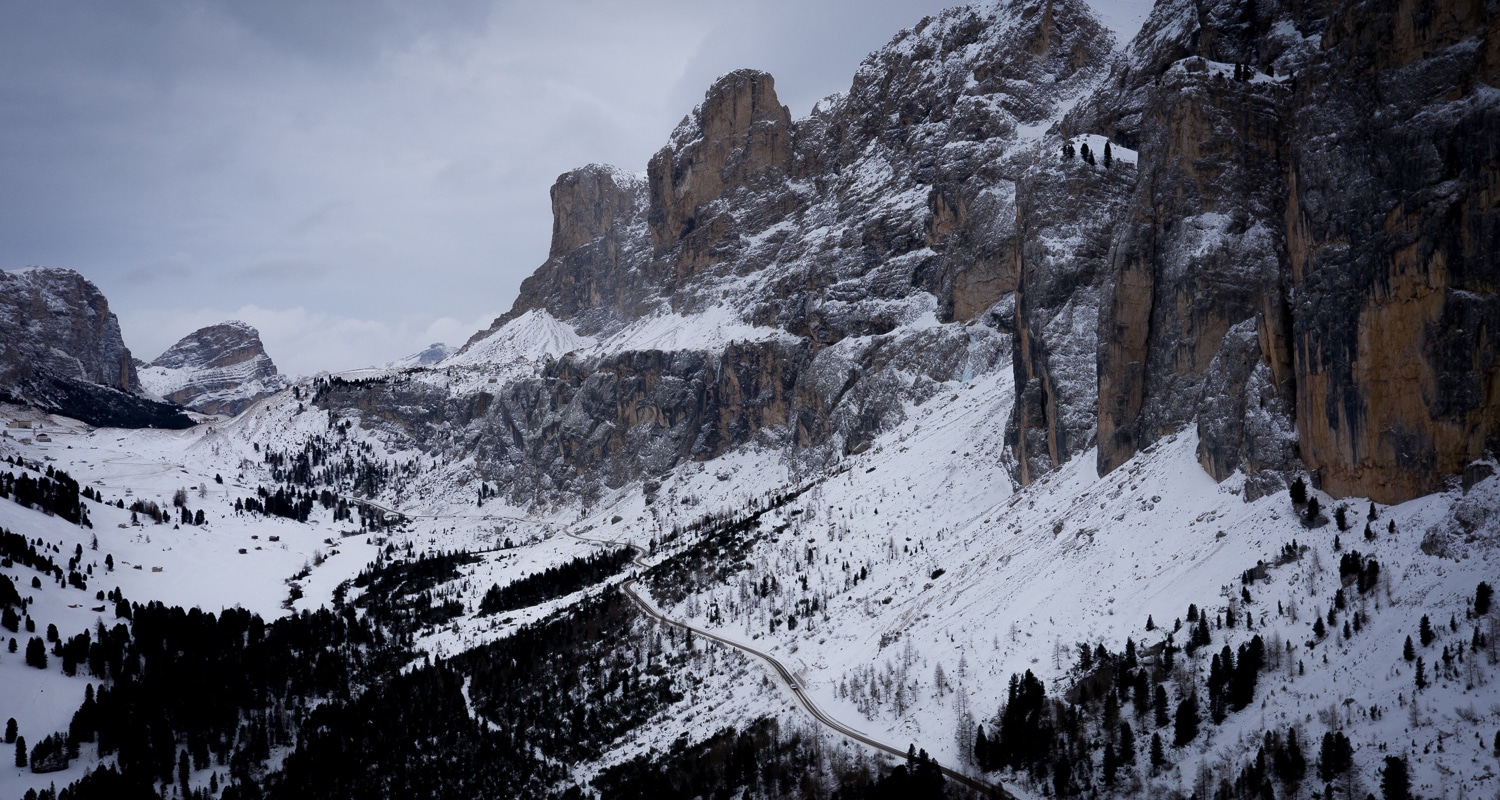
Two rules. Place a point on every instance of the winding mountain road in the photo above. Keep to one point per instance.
(629, 588)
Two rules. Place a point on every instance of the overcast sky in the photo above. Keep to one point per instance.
(358, 178)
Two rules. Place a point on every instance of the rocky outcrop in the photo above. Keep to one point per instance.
(738, 141)
(426, 357)
(55, 321)
(1068, 211)
(1393, 226)
(582, 424)
(1336, 200)
(598, 235)
(1297, 257)
(1200, 252)
(61, 350)
(220, 369)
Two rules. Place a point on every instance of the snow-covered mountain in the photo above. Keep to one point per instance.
(61, 350)
(427, 356)
(220, 369)
(1120, 406)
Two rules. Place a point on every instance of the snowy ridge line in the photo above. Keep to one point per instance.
(649, 608)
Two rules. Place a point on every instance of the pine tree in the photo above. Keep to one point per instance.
(1335, 756)
(1482, 597)
(1150, 623)
(1421, 676)
(1296, 763)
(10, 731)
(1127, 744)
(1409, 652)
(1160, 702)
(1298, 491)
(1110, 765)
(36, 653)
(1424, 630)
(1186, 728)
(1109, 158)
(1158, 756)
(1341, 517)
(20, 751)
(1394, 781)
(1313, 509)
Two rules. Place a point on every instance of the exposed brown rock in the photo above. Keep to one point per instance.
(1191, 265)
(1394, 238)
(740, 137)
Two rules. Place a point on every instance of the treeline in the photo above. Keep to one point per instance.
(56, 493)
(572, 684)
(1089, 741)
(342, 464)
(554, 582)
(411, 736)
(293, 505)
(1127, 714)
(183, 691)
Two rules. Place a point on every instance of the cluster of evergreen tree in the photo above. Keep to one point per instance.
(148, 508)
(763, 761)
(184, 690)
(398, 593)
(1355, 568)
(293, 505)
(554, 582)
(410, 736)
(571, 685)
(56, 493)
(342, 464)
(15, 548)
(1080, 743)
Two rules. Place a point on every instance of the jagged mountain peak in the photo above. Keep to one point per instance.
(218, 369)
(226, 343)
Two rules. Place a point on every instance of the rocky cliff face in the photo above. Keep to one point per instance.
(1393, 226)
(1293, 249)
(61, 350)
(57, 322)
(827, 240)
(220, 369)
(599, 239)
(1314, 240)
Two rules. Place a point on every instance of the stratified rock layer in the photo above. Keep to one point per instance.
(220, 369)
